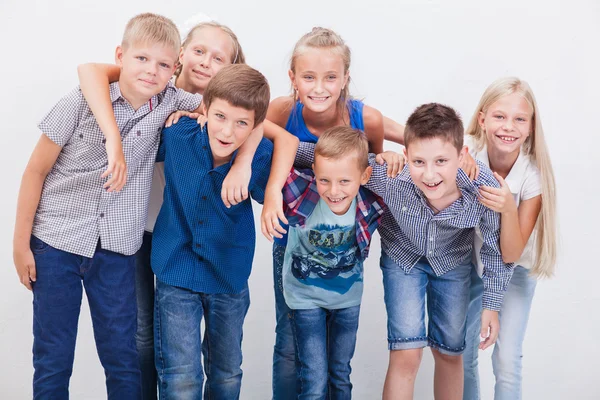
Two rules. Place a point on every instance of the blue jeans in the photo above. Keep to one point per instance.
(508, 351)
(284, 358)
(144, 290)
(108, 279)
(325, 342)
(447, 301)
(179, 344)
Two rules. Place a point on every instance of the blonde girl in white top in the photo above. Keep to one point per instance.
(506, 133)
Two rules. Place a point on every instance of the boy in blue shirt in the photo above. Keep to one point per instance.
(202, 251)
(331, 221)
(427, 239)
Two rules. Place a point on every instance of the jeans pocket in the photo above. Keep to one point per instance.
(38, 246)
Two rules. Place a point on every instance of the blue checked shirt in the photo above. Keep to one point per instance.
(410, 230)
(198, 243)
(300, 198)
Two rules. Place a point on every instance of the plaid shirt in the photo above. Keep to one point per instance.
(300, 197)
(410, 230)
(74, 210)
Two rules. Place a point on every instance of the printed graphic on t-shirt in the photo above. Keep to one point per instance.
(325, 257)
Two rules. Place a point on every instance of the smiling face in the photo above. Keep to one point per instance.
(433, 165)
(145, 70)
(319, 78)
(228, 129)
(338, 180)
(507, 123)
(206, 53)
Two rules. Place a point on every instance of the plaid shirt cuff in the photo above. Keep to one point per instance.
(492, 300)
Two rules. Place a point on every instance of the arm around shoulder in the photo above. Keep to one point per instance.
(373, 120)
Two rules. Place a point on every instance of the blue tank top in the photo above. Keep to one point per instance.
(297, 127)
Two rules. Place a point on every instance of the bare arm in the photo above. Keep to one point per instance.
(373, 129)
(94, 81)
(43, 158)
(516, 228)
(393, 131)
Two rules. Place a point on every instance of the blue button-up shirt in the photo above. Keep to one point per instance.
(410, 230)
(198, 243)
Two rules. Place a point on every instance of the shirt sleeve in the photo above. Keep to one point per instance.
(305, 156)
(532, 185)
(187, 101)
(261, 168)
(378, 181)
(496, 273)
(62, 120)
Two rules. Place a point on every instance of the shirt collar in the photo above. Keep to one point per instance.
(517, 172)
(115, 94)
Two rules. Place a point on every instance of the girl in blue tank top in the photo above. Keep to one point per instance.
(319, 74)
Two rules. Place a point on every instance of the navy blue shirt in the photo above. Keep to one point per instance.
(198, 243)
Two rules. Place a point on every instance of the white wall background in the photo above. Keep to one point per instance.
(406, 52)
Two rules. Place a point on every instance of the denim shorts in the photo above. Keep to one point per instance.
(407, 297)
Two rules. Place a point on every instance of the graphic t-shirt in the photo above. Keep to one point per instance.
(321, 267)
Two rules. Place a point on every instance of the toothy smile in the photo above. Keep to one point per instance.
(432, 185)
(507, 138)
(318, 99)
(336, 200)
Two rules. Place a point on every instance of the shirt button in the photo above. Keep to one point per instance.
(431, 239)
(403, 208)
(203, 197)
(101, 215)
(103, 141)
(198, 245)
(138, 133)
(204, 147)
(430, 251)
(200, 258)
(81, 136)
(200, 222)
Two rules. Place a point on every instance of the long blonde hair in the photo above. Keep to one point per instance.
(236, 58)
(534, 146)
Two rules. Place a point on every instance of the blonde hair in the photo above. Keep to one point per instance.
(323, 38)
(534, 146)
(152, 28)
(236, 58)
(343, 141)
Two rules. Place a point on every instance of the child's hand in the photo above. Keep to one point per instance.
(174, 118)
(272, 213)
(117, 168)
(490, 326)
(469, 165)
(498, 199)
(395, 162)
(235, 185)
(25, 265)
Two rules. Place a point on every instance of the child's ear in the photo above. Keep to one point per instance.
(462, 152)
(405, 154)
(292, 76)
(481, 120)
(180, 58)
(119, 56)
(366, 175)
(346, 77)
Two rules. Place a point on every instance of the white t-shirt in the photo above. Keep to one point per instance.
(524, 183)
(156, 195)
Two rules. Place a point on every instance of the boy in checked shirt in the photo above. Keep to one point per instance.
(70, 228)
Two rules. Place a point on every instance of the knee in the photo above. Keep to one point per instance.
(406, 362)
(506, 361)
(440, 357)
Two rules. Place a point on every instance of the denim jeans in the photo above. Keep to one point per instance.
(284, 358)
(108, 279)
(447, 302)
(179, 344)
(144, 289)
(508, 350)
(325, 342)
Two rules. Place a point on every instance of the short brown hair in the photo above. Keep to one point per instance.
(240, 86)
(342, 141)
(434, 120)
(151, 28)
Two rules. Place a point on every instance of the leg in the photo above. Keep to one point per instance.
(177, 342)
(342, 326)
(56, 304)
(109, 281)
(471, 354)
(404, 296)
(284, 358)
(310, 336)
(224, 316)
(447, 303)
(144, 337)
(507, 358)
